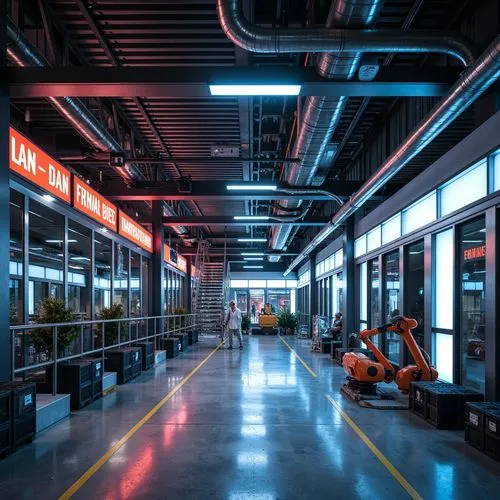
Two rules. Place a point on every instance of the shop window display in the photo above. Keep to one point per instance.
(79, 269)
(414, 296)
(279, 299)
(120, 279)
(472, 303)
(102, 277)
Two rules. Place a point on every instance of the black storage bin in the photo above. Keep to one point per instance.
(5, 439)
(446, 405)
(136, 361)
(325, 345)
(339, 353)
(4, 407)
(147, 355)
(334, 345)
(192, 337)
(119, 361)
(97, 375)
(75, 378)
(418, 397)
(482, 427)
(22, 397)
(171, 346)
(23, 430)
(183, 340)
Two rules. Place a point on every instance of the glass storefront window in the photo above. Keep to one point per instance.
(363, 302)
(146, 292)
(374, 283)
(443, 280)
(373, 239)
(79, 269)
(360, 246)
(419, 214)
(241, 297)
(256, 304)
(279, 299)
(472, 303)
(46, 255)
(16, 258)
(392, 304)
(120, 278)
(135, 285)
(414, 288)
(102, 277)
(391, 229)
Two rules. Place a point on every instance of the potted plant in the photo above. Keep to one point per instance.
(115, 311)
(245, 323)
(53, 310)
(287, 321)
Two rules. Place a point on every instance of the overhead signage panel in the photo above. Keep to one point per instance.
(134, 232)
(31, 163)
(91, 203)
(170, 256)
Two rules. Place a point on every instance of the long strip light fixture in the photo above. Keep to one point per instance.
(253, 258)
(253, 267)
(251, 187)
(251, 217)
(254, 89)
(253, 254)
(252, 240)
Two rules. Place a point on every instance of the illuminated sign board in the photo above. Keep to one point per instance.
(134, 232)
(91, 203)
(475, 253)
(31, 163)
(174, 259)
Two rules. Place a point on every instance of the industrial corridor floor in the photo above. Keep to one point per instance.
(257, 424)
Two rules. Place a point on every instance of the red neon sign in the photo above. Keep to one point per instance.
(134, 232)
(475, 253)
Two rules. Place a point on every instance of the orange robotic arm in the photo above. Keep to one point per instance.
(365, 335)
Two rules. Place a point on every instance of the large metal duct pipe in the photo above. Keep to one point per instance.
(280, 40)
(22, 53)
(321, 115)
(473, 83)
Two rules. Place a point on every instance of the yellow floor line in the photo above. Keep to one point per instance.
(304, 364)
(385, 462)
(90, 472)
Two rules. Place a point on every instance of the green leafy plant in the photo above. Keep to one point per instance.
(115, 311)
(287, 320)
(54, 311)
(245, 323)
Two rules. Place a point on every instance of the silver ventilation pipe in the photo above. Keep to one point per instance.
(321, 115)
(483, 73)
(22, 53)
(281, 40)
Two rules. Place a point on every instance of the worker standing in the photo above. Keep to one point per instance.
(233, 324)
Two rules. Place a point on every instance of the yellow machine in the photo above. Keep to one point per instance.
(267, 320)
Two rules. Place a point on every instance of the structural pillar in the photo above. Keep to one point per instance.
(187, 289)
(5, 340)
(158, 302)
(349, 309)
(313, 293)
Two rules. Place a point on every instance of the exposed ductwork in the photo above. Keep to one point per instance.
(475, 81)
(321, 115)
(281, 40)
(22, 53)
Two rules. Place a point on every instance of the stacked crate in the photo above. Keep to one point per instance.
(183, 340)
(4, 422)
(22, 412)
(136, 360)
(482, 427)
(75, 379)
(119, 361)
(171, 346)
(193, 337)
(441, 404)
(97, 374)
(147, 356)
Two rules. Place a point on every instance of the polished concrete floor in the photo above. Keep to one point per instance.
(251, 424)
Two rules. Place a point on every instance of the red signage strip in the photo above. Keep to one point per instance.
(91, 203)
(475, 253)
(181, 263)
(134, 232)
(31, 163)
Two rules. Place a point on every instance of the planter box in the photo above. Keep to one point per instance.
(147, 354)
(97, 375)
(23, 430)
(192, 337)
(4, 407)
(75, 378)
(171, 346)
(119, 361)
(22, 398)
(183, 340)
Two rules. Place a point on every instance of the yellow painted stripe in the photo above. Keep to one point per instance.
(90, 472)
(385, 462)
(304, 364)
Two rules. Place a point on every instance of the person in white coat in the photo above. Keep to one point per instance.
(233, 324)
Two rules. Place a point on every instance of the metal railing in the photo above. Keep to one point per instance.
(38, 346)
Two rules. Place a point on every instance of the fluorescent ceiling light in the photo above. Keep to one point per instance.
(253, 267)
(236, 90)
(60, 241)
(251, 187)
(249, 240)
(81, 258)
(253, 254)
(48, 198)
(251, 217)
(104, 229)
(253, 258)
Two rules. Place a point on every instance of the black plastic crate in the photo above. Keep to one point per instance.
(334, 345)
(492, 447)
(183, 340)
(4, 407)
(446, 405)
(325, 346)
(418, 397)
(23, 430)
(5, 439)
(119, 361)
(97, 374)
(147, 354)
(171, 346)
(75, 379)
(193, 337)
(23, 397)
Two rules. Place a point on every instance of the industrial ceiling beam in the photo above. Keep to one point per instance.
(193, 82)
(219, 220)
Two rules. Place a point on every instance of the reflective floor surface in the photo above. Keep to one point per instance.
(251, 424)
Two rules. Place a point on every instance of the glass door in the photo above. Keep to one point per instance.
(391, 303)
(241, 298)
(257, 298)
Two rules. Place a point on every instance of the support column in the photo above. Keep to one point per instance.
(313, 293)
(187, 289)
(349, 310)
(158, 302)
(5, 341)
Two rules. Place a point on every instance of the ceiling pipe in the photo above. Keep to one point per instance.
(22, 53)
(284, 40)
(321, 115)
(472, 83)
